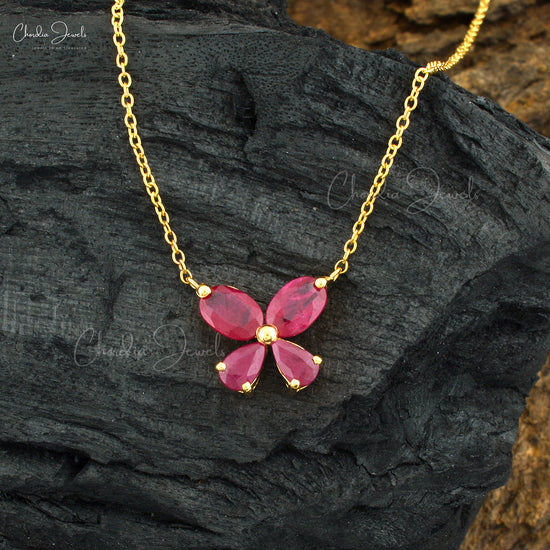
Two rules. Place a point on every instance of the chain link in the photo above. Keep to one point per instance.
(394, 143)
(402, 123)
(130, 120)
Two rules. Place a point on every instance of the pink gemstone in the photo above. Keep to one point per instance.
(243, 365)
(231, 312)
(294, 362)
(296, 306)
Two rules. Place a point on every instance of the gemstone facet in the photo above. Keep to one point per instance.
(243, 366)
(236, 315)
(231, 312)
(296, 306)
(295, 363)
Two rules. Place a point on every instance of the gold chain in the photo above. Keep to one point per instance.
(127, 100)
(394, 143)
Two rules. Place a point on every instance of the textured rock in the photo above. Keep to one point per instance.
(510, 63)
(116, 431)
(518, 514)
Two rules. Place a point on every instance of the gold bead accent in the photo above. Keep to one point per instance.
(267, 334)
(247, 388)
(320, 283)
(317, 360)
(295, 384)
(221, 366)
(203, 291)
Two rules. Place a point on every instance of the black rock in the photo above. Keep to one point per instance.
(264, 137)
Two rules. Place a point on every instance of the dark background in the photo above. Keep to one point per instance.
(115, 432)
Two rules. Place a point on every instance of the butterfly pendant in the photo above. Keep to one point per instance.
(293, 309)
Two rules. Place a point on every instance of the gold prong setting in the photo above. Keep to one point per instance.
(294, 384)
(203, 291)
(248, 388)
(320, 283)
(221, 366)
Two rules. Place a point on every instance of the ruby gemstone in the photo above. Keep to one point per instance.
(296, 306)
(243, 365)
(231, 312)
(294, 362)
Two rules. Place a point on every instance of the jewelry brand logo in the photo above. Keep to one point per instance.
(91, 346)
(59, 322)
(56, 35)
(343, 190)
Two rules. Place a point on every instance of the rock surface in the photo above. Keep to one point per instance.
(518, 514)
(263, 136)
(510, 58)
(509, 64)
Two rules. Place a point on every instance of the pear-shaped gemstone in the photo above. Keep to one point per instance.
(241, 367)
(295, 363)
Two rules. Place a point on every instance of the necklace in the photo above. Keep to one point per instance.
(295, 307)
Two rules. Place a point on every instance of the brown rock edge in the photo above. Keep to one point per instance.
(510, 65)
(518, 514)
(510, 58)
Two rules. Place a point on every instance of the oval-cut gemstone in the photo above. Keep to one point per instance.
(295, 363)
(231, 312)
(296, 306)
(243, 365)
